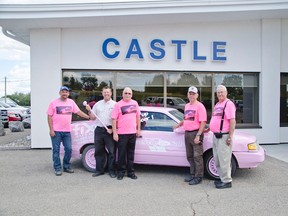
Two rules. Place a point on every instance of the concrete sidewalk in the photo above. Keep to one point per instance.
(279, 151)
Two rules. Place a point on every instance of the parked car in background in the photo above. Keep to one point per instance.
(20, 111)
(159, 144)
(9, 101)
(173, 102)
(4, 116)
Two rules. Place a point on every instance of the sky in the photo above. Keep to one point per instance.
(14, 65)
(15, 56)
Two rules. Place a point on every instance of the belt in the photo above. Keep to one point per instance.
(109, 127)
(222, 133)
(192, 130)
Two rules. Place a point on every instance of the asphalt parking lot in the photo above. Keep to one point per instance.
(29, 187)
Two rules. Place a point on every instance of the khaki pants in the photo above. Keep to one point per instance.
(222, 155)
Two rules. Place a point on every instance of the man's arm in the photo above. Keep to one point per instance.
(50, 124)
(83, 115)
(114, 129)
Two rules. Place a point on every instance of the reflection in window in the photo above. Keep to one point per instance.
(243, 90)
(169, 89)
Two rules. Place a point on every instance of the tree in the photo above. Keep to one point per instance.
(21, 98)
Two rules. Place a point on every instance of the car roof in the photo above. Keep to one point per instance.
(156, 109)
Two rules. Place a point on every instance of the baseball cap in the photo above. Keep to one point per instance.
(193, 89)
(64, 88)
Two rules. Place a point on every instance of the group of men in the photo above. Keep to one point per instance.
(119, 122)
(115, 122)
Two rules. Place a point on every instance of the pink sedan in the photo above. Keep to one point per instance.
(161, 145)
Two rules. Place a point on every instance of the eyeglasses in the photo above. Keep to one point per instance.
(127, 93)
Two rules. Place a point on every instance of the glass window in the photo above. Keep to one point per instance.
(243, 90)
(169, 89)
(155, 121)
(284, 100)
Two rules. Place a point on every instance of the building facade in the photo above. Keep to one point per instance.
(159, 49)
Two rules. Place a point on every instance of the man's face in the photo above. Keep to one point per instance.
(127, 94)
(64, 94)
(192, 96)
(106, 93)
(221, 94)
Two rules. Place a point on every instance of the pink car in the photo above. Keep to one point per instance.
(161, 145)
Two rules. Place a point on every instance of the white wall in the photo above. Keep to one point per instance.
(243, 46)
(252, 46)
(46, 79)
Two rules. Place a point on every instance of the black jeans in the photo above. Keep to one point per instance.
(103, 140)
(126, 150)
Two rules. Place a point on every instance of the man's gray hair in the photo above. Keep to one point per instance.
(221, 87)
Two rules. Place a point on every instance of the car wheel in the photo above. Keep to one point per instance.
(210, 169)
(88, 158)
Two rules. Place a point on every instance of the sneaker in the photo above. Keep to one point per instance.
(69, 170)
(195, 181)
(58, 173)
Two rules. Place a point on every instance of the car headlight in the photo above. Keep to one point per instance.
(252, 146)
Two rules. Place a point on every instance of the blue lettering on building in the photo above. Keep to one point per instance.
(196, 57)
(218, 49)
(111, 49)
(105, 51)
(157, 45)
(134, 49)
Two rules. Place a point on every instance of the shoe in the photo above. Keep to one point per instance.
(223, 185)
(120, 177)
(58, 173)
(217, 182)
(132, 176)
(188, 179)
(69, 170)
(195, 181)
(97, 174)
(112, 174)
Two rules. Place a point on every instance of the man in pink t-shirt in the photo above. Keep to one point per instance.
(126, 126)
(59, 120)
(223, 130)
(195, 117)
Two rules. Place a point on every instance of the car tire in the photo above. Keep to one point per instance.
(210, 170)
(88, 158)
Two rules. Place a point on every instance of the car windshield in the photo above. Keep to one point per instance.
(4, 105)
(177, 114)
(179, 101)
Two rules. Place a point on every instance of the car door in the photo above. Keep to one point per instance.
(159, 144)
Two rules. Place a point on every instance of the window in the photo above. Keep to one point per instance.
(169, 89)
(284, 100)
(155, 121)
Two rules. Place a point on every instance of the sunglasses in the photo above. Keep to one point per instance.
(127, 93)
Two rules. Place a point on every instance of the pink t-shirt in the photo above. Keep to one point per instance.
(61, 112)
(126, 113)
(193, 116)
(230, 111)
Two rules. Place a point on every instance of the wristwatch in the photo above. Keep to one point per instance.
(198, 134)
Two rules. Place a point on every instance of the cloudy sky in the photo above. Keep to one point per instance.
(15, 56)
(14, 65)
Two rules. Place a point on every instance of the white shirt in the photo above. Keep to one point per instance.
(103, 110)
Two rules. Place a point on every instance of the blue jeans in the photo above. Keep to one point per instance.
(65, 138)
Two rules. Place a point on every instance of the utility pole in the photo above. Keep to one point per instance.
(5, 89)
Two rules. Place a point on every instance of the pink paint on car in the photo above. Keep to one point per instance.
(159, 144)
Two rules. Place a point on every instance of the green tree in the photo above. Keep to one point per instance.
(21, 98)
